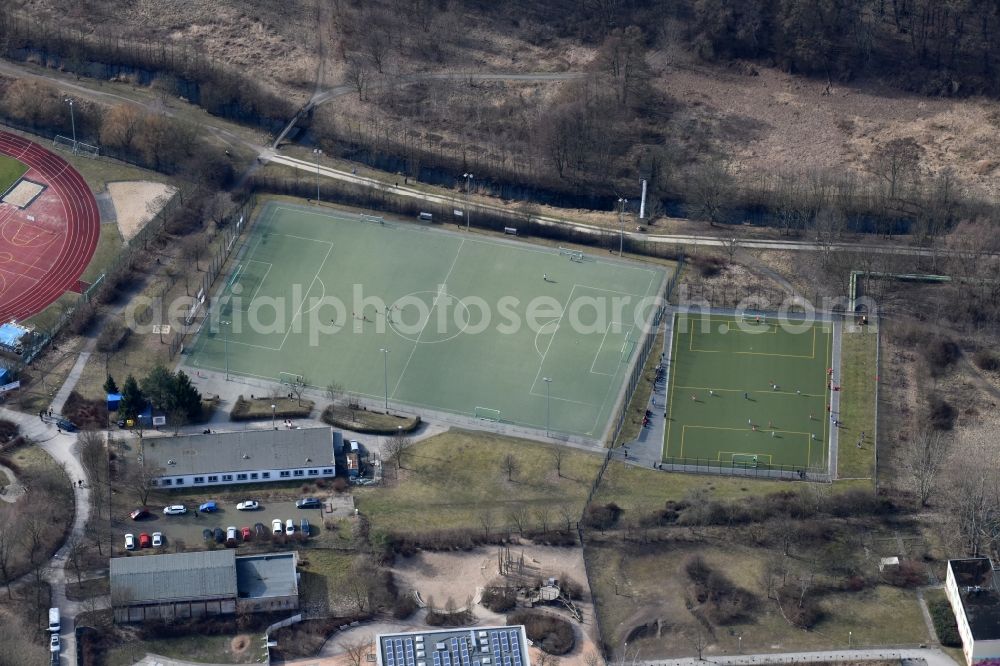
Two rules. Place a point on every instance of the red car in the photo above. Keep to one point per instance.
(245, 532)
(144, 541)
(139, 514)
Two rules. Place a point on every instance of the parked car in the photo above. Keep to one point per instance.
(289, 527)
(248, 505)
(144, 540)
(66, 424)
(245, 533)
(304, 526)
(206, 534)
(261, 530)
(157, 539)
(175, 510)
(220, 536)
(208, 507)
(129, 542)
(231, 538)
(54, 645)
(276, 526)
(308, 503)
(140, 514)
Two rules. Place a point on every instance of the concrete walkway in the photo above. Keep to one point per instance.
(931, 656)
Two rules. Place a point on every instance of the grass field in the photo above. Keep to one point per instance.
(452, 480)
(748, 394)
(10, 172)
(472, 325)
(857, 405)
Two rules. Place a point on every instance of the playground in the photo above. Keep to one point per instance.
(409, 314)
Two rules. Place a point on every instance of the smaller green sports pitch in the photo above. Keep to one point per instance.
(455, 322)
(10, 172)
(749, 391)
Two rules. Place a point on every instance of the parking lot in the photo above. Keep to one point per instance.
(186, 531)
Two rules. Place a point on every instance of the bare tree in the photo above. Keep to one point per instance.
(193, 249)
(974, 491)
(486, 519)
(543, 517)
(356, 651)
(558, 453)
(334, 391)
(396, 448)
(358, 74)
(509, 465)
(9, 536)
(139, 480)
(74, 558)
(518, 517)
(698, 639)
(925, 460)
(298, 387)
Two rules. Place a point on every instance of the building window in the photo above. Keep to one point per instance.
(265, 475)
(227, 477)
(167, 482)
(299, 472)
(314, 472)
(285, 474)
(241, 477)
(253, 475)
(328, 471)
(180, 482)
(213, 479)
(199, 479)
(153, 482)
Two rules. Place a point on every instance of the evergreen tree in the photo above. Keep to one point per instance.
(187, 399)
(110, 385)
(133, 401)
(159, 387)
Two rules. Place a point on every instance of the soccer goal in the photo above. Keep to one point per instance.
(373, 219)
(487, 414)
(290, 379)
(77, 147)
(753, 319)
(627, 348)
(574, 255)
(745, 460)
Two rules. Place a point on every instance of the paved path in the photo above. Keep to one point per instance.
(932, 657)
(61, 447)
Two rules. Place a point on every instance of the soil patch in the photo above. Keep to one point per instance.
(136, 202)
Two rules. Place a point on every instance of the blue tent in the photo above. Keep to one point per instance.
(113, 400)
(5, 376)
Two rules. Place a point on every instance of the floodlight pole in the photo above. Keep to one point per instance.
(273, 407)
(385, 374)
(72, 120)
(621, 221)
(318, 152)
(226, 342)
(468, 186)
(548, 401)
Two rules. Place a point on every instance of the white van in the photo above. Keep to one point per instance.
(54, 620)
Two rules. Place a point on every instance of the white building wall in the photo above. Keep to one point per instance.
(249, 476)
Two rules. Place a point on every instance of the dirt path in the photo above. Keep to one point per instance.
(14, 490)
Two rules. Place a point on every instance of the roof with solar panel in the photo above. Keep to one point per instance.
(474, 646)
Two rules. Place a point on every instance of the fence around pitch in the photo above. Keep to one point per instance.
(731, 468)
(233, 238)
(649, 337)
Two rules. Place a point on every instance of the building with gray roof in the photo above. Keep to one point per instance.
(196, 584)
(972, 590)
(244, 456)
(267, 582)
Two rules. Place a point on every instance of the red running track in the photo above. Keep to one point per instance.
(42, 258)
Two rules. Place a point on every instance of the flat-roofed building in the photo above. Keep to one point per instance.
(473, 646)
(244, 456)
(971, 587)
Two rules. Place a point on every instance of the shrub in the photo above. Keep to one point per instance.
(909, 573)
(551, 634)
(340, 484)
(112, 337)
(941, 414)
(941, 353)
(802, 610)
(987, 360)
(499, 598)
(726, 603)
(944, 622)
(404, 607)
(602, 517)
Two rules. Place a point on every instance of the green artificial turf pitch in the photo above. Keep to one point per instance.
(10, 172)
(442, 353)
(722, 406)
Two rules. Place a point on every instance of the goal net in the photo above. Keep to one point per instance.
(574, 255)
(373, 219)
(290, 379)
(747, 460)
(487, 414)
